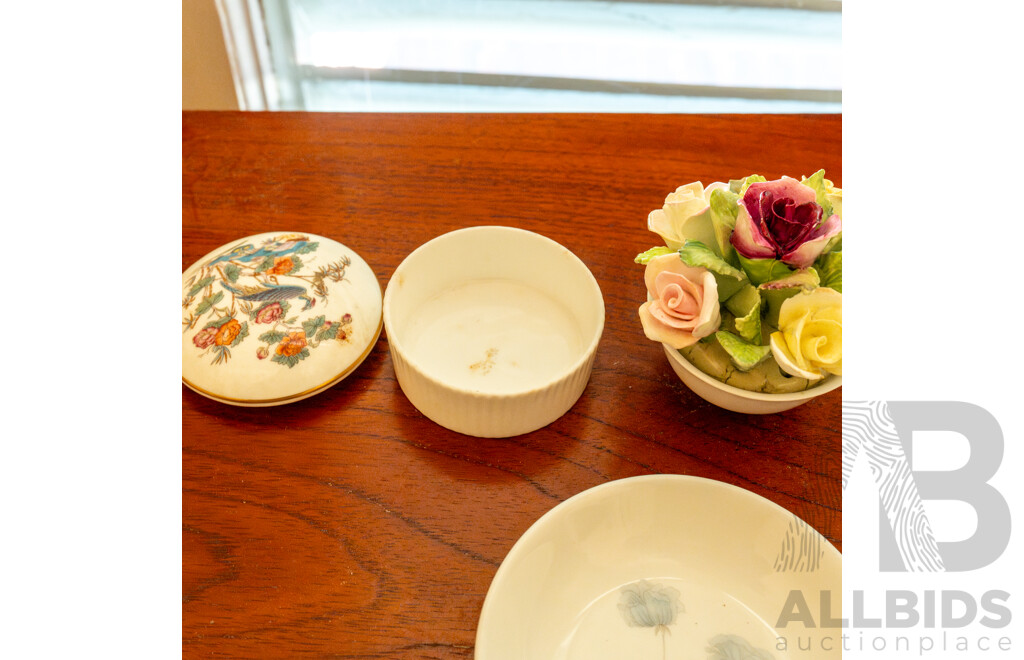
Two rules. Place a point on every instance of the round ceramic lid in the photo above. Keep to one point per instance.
(276, 318)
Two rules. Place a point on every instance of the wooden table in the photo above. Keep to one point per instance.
(349, 525)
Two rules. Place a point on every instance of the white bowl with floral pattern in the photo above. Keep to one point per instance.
(665, 566)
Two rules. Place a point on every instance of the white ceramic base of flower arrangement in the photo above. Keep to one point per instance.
(660, 566)
(739, 400)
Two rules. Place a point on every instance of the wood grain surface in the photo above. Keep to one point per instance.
(348, 525)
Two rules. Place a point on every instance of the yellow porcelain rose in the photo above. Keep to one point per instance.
(809, 342)
(686, 215)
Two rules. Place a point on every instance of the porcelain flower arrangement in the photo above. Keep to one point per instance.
(748, 284)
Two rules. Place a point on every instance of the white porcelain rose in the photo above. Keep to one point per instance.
(686, 215)
(683, 305)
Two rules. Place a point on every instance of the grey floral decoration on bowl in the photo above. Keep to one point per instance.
(646, 605)
(734, 647)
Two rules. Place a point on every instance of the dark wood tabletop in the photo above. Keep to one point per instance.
(348, 524)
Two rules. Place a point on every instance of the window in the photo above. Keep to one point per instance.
(536, 55)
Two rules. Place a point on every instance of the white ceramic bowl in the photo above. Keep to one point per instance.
(739, 400)
(493, 330)
(662, 566)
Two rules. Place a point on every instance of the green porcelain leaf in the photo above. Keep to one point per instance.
(724, 206)
(749, 325)
(763, 270)
(739, 186)
(645, 257)
(776, 292)
(830, 268)
(745, 356)
(822, 188)
(728, 279)
(744, 300)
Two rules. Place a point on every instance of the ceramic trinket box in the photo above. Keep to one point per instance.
(276, 318)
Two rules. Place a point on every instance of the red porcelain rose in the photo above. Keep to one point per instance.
(781, 220)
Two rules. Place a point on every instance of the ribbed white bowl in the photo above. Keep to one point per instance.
(493, 330)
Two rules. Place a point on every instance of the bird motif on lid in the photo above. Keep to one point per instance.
(274, 248)
(270, 292)
(252, 285)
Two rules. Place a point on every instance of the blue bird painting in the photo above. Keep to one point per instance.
(270, 293)
(249, 272)
(279, 247)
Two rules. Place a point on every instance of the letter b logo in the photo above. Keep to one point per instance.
(883, 432)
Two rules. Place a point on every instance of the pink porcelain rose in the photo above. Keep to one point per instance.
(683, 305)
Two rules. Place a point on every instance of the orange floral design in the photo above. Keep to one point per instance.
(282, 266)
(292, 344)
(227, 333)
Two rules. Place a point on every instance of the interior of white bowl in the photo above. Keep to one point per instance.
(720, 549)
(493, 309)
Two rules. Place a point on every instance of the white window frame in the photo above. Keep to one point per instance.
(271, 79)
